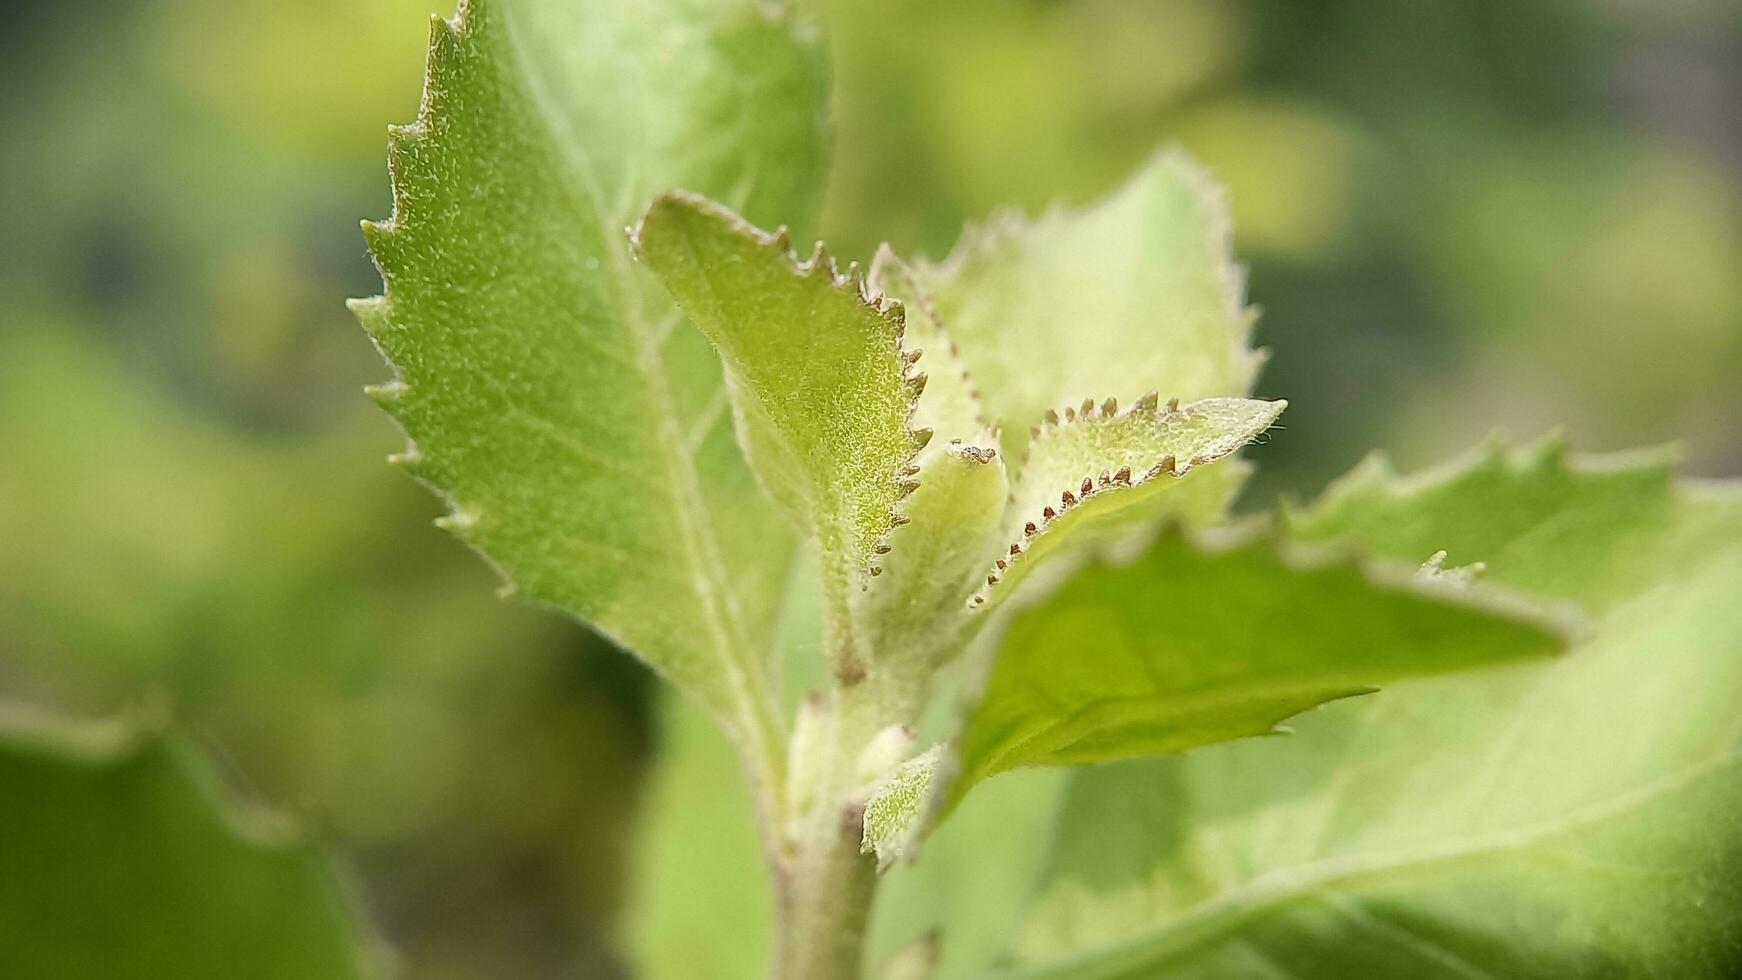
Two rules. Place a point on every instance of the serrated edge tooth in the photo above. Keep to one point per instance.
(911, 357)
(918, 383)
(1173, 404)
(900, 519)
(1088, 487)
(876, 570)
(922, 437)
(907, 486)
(1110, 406)
(1047, 513)
(1171, 464)
(1148, 402)
(881, 549)
(1002, 564)
(1051, 417)
(1123, 476)
(979, 600)
(1105, 480)
(1015, 549)
(991, 580)
(1088, 408)
(910, 469)
(1029, 529)
(1067, 499)
(1070, 414)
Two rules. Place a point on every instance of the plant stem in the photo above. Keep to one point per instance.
(825, 902)
(824, 884)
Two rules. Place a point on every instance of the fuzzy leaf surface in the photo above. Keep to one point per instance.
(819, 385)
(578, 428)
(1135, 293)
(1100, 462)
(917, 610)
(949, 406)
(116, 860)
(1574, 818)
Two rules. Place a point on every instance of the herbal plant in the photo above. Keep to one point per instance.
(1004, 478)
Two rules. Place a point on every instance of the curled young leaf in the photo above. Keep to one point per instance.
(1097, 461)
(823, 392)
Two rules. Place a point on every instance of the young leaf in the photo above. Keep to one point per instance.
(916, 610)
(552, 394)
(1195, 643)
(949, 406)
(1136, 293)
(116, 861)
(819, 383)
(1575, 818)
(1099, 461)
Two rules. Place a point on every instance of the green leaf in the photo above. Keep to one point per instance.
(819, 382)
(1201, 642)
(1196, 642)
(552, 393)
(116, 861)
(1099, 461)
(700, 901)
(1569, 819)
(1136, 293)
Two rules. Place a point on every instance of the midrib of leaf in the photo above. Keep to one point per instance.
(759, 725)
(1082, 723)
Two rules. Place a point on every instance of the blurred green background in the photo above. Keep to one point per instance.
(1456, 215)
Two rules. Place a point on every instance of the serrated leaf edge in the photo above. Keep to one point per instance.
(853, 281)
(1010, 226)
(1092, 484)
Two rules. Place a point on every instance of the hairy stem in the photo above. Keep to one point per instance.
(825, 896)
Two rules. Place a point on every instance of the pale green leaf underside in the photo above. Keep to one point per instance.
(118, 861)
(553, 395)
(1198, 642)
(819, 382)
(1099, 461)
(1570, 819)
(917, 608)
(1136, 293)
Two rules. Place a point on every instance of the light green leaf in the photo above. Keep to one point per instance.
(917, 610)
(895, 806)
(1569, 819)
(1098, 461)
(1136, 293)
(700, 901)
(970, 885)
(552, 393)
(118, 861)
(819, 381)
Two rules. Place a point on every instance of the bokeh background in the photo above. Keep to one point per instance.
(1457, 216)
